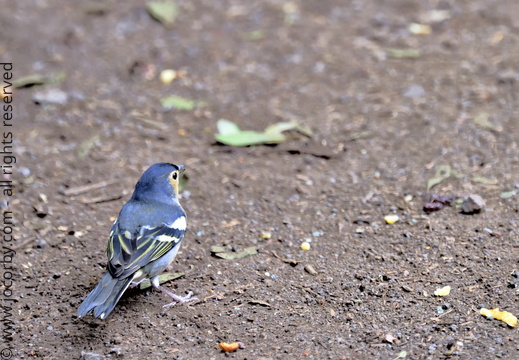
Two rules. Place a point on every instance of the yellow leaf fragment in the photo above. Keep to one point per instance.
(265, 235)
(497, 38)
(229, 347)
(391, 219)
(444, 291)
(420, 29)
(167, 76)
(504, 316)
(305, 246)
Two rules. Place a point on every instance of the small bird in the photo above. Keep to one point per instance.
(144, 240)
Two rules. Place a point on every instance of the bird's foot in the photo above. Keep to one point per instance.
(176, 298)
(137, 283)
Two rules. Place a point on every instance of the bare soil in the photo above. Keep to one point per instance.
(382, 127)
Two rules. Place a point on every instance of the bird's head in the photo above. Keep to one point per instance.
(159, 182)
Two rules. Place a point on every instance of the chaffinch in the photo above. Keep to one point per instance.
(144, 240)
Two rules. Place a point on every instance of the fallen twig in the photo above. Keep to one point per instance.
(437, 318)
(73, 191)
(102, 198)
(307, 290)
(221, 295)
(285, 260)
(24, 243)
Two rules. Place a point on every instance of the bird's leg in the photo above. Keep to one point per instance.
(176, 298)
(136, 283)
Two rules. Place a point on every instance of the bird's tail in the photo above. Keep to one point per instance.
(104, 297)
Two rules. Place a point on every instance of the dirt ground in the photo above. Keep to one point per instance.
(382, 126)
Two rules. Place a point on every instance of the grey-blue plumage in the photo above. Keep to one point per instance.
(105, 296)
(144, 239)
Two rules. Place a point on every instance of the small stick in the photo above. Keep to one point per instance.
(102, 198)
(437, 318)
(292, 262)
(24, 243)
(86, 188)
(222, 294)
(307, 290)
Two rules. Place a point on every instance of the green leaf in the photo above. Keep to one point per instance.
(219, 251)
(304, 129)
(442, 172)
(84, 148)
(280, 127)
(230, 133)
(255, 35)
(30, 80)
(181, 103)
(483, 121)
(226, 127)
(403, 53)
(57, 78)
(163, 11)
(359, 135)
(37, 79)
(246, 138)
(508, 194)
(484, 180)
(162, 279)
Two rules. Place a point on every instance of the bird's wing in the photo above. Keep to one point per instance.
(128, 252)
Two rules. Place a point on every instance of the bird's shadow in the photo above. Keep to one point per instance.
(93, 334)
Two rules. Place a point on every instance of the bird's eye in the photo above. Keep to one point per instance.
(174, 175)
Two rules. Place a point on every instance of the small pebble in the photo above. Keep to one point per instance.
(91, 356)
(310, 269)
(41, 244)
(50, 96)
(305, 246)
(414, 92)
(117, 351)
(472, 204)
(26, 172)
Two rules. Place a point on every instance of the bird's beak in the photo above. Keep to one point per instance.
(181, 168)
